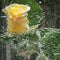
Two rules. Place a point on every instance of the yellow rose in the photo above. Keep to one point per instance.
(17, 18)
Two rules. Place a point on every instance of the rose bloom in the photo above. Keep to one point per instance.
(17, 21)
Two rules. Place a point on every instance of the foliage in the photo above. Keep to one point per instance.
(49, 38)
(26, 41)
(51, 44)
